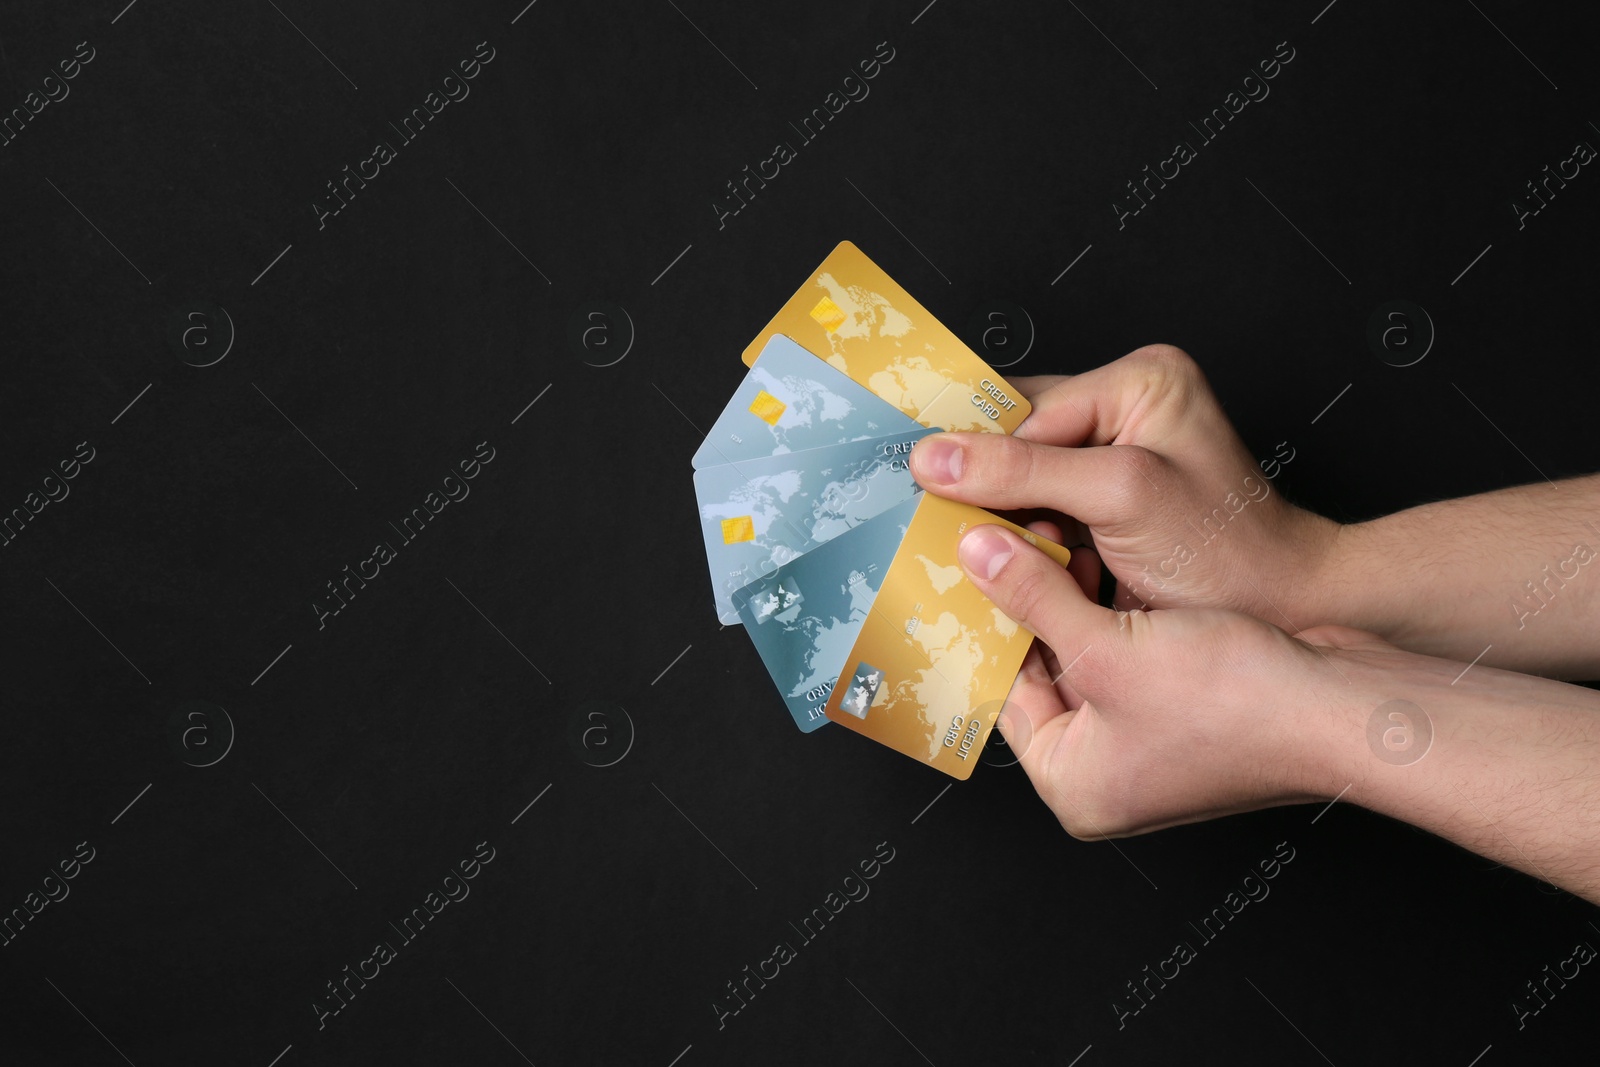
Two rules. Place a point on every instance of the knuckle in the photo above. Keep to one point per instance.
(1082, 825)
(1094, 815)
(1170, 374)
(1076, 826)
(1166, 361)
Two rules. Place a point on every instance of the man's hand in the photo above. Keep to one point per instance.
(1154, 719)
(1139, 458)
(1173, 716)
(1164, 489)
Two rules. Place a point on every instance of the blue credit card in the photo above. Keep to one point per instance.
(758, 514)
(805, 616)
(792, 401)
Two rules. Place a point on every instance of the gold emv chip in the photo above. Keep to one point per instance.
(828, 314)
(742, 528)
(768, 408)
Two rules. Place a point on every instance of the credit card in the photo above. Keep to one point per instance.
(932, 663)
(805, 616)
(759, 514)
(790, 401)
(860, 321)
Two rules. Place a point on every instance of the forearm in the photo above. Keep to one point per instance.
(1512, 771)
(1516, 572)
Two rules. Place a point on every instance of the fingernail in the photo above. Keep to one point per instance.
(938, 460)
(983, 551)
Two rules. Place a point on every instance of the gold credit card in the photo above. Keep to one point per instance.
(854, 316)
(935, 658)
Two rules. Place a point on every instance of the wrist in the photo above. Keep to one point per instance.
(1363, 576)
(1383, 716)
(1379, 722)
(1312, 574)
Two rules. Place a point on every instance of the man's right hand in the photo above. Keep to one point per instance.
(1140, 459)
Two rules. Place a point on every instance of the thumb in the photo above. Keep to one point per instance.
(1039, 594)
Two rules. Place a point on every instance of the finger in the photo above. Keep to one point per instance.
(1098, 487)
(1033, 721)
(1040, 595)
(1031, 385)
(1050, 531)
(1058, 678)
(1085, 569)
(1087, 408)
(1095, 407)
(1084, 566)
(1042, 658)
(1068, 531)
(1076, 533)
(1032, 703)
(1048, 655)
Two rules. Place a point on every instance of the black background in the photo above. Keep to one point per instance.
(414, 325)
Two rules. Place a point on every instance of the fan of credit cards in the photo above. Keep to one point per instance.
(842, 570)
